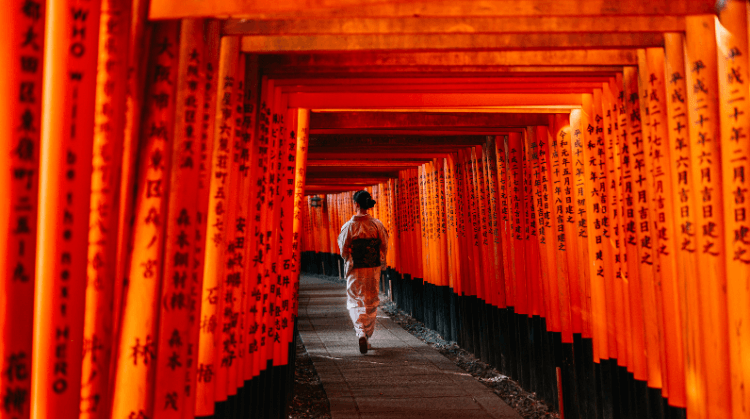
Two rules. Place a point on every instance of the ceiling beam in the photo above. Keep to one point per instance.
(374, 155)
(454, 25)
(347, 181)
(270, 9)
(456, 70)
(386, 163)
(371, 100)
(348, 174)
(448, 42)
(405, 120)
(421, 132)
(400, 141)
(565, 57)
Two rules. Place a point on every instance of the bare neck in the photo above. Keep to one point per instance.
(362, 212)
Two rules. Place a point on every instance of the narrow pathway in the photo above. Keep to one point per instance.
(400, 377)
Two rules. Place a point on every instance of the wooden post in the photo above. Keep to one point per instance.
(112, 75)
(20, 156)
(732, 45)
(137, 351)
(71, 37)
(210, 387)
(705, 153)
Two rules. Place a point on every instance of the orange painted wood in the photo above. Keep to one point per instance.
(163, 9)
(505, 213)
(65, 169)
(603, 208)
(517, 219)
(112, 74)
(211, 382)
(705, 152)
(650, 280)
(732, 49)
(617, 345)
(20, 156)
(533, 275)
(562, 236)
(493, 194)
(565, 211)
(578, 122)
(684, 223)
(544, 209)
(138, 53)
(137, 352)
(175, 296)
(666, 237)
(594, 185)
(622, 162)
(283, 321)
(209, 65)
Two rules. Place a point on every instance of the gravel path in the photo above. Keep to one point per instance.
(311, 401)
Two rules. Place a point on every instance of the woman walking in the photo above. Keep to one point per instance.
(363, 243)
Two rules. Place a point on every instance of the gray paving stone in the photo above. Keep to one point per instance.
(400, 377)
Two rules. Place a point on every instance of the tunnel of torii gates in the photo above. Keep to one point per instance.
(564, 184)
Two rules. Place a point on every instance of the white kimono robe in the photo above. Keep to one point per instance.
(362, 283)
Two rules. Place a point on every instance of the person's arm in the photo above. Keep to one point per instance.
(383, 244)
(345, 241)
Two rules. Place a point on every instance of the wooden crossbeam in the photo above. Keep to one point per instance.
(450, 80)
(347, 181)
(419, 131)
(404, 120)
(539, 87)
(456, 70)
(349, 174)
(400, 141)
(362, 60)
(371, 163)
(454, 25)
(418, 100)
(269, 9)
(374, 155)
(448, 42)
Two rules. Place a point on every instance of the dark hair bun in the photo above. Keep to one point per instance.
(364, 199)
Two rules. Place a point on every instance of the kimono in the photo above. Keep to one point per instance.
(363, 243)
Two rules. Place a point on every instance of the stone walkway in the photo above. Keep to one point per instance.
(400, 377)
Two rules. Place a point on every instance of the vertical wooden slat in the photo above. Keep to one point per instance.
(732, 45)
(112, 74)
(176, 299)
(207, 112)
(545, 208)
(69, 41)
(504, 216)
(594, 188)
(705, 154)
(578, 122)
(684, 222)
(533, 274)
(641, 277)
(20, 106)
(517, 217)
(603, 211)
(137, 352)
(210, 388)
(622, 161)
(560, 235)
(653, 301)
(611, 128)
(562, 185)
(666, 237)
(302, 131)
